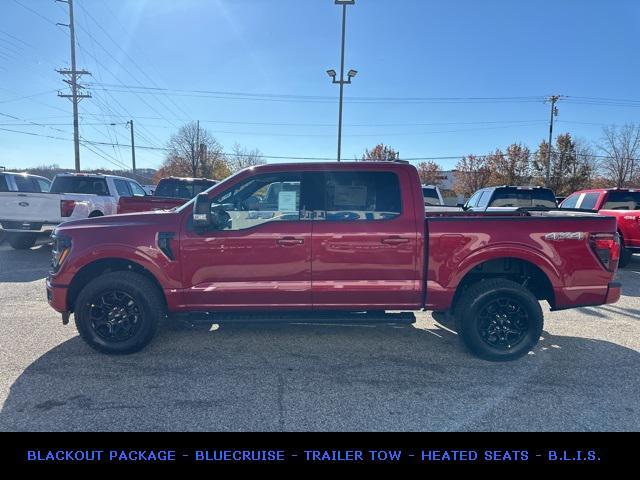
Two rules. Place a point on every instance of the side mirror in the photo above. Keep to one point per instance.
(202, 211)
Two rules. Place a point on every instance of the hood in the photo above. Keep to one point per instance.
(160, 219)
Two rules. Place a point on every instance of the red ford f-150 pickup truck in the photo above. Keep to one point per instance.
(622, 203)
(348, 237)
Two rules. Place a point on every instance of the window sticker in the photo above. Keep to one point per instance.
(287, 202)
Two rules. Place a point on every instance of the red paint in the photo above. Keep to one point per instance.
(346, 265)
(148, 203)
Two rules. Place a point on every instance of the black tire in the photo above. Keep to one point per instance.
(625, 257)
(119, 312)
(22, 241)
(499, 320)
(96, 213)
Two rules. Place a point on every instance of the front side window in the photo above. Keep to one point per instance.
(484, 199)
(43, 184)
(353, 196)
(261, 199)
(571, 201)
(473, 201)
(26, 184)
(137, 190)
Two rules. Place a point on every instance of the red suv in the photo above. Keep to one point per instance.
(624, 204)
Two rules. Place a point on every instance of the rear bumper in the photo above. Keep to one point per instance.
(13, 226)
(57, 297)
(613, 292)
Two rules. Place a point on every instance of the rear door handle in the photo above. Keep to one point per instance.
(289, 241)
(394, 240)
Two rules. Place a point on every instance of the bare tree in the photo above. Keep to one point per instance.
(241, 158)
(622, 147)
(196, 147)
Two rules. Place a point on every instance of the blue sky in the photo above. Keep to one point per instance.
(402, 49)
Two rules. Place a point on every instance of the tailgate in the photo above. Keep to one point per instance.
(29, 208)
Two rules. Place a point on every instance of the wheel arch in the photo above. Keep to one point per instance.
(104, 265)
(522, 271)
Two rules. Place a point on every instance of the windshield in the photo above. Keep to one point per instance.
(535, 197)
(177, 188)
(87, 185)
(430, 196)
(622, 201)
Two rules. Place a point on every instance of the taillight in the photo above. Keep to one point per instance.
(606, 246)
(66, 207)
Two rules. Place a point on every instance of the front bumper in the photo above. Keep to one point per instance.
(57, 297)
(613, 292)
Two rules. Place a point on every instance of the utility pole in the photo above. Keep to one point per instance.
(554, 113)
(332, 73)
(133, 146)
(71, 77)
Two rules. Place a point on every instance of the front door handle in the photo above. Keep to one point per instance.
(394, 240)
(289, 241)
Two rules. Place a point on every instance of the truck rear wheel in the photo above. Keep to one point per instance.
(22, 241)
(499, 319)
(119, 312)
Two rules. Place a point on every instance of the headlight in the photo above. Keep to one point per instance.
(61, 249)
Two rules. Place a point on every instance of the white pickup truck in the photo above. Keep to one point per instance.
(26, 215)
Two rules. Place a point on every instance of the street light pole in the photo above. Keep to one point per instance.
(352, 73)
(133, 146)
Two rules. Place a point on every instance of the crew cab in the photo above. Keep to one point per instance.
(317, 237)
(621, 203)
(507, 198)
(26, 215)
(171, 192)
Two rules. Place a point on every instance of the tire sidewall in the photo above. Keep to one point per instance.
(83, 322)
(470, 319)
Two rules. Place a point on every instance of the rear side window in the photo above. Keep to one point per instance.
(3, 184)
(122, 187)
(88, 185)
(430, 196)
(622, 201)
(357, 196)
(26, 184)
(186, 189)
(589, 201)
(535, 197)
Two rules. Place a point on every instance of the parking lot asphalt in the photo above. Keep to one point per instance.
(583, 375)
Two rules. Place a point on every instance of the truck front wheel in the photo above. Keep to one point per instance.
(22, 241)
(499, 319)
(119, 312)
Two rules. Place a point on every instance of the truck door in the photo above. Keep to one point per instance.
(261, 258)
(364, 242)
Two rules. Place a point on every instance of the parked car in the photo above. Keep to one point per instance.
(623, 204)
(26, 215)
(510, 197)
(171, 192)
(348, 236)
